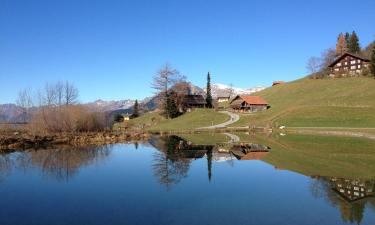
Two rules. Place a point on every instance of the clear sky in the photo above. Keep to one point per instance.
(111, 49)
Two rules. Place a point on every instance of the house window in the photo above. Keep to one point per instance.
(359, 66)
(338, 64)
(353, 67)
(359, 61)
(352, 62)
(337, 69)
(345, 68)
(346, 63)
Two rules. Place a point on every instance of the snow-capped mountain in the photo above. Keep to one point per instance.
(102, 106)
(222, 90)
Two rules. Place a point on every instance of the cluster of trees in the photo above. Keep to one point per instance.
(55, 109)
(171, 87)
(346, 42)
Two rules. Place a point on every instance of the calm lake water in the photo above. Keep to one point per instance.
(195, 180)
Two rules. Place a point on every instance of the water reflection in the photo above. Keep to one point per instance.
(172, 161)
(350, 196)
(60, 164)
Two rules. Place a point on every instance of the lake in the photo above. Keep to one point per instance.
(193, 179)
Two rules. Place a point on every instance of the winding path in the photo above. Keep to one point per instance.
(233, 118)
(233, 138)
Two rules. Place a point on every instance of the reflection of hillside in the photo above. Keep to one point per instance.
(322, 155)
(60, 164)
(5, 166)
(350, 196)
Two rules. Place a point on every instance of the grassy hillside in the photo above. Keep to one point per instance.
(196, 119)
(345, 102)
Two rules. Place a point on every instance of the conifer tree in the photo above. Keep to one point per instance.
(171, 106)
(135, 109)
(347, 39)
(372, 62)
(354, 46)
(209, 95)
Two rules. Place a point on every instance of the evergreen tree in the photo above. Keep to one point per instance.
(372, 62)
(347, 39)
(209, 95)
(354, 46)
(135, 110)
(171, 106)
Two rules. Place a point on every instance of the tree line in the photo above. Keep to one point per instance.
(55, 109)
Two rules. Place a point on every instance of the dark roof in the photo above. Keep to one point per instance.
(194, 100)
(346, 54)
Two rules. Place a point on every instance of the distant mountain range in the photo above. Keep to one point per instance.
(13, 113)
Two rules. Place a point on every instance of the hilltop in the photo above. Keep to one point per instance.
(345, 102)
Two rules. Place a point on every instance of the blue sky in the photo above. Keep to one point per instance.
(111, 49)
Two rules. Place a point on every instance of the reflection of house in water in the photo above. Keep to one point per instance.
(353, 190)
(350, 196)
(250, 151)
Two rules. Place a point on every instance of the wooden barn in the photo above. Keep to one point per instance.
(248, 103)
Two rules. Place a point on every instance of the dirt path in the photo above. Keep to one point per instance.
(233, 118)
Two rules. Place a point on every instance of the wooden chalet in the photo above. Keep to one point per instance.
(348, 64)
(194, 101)
(248, 103)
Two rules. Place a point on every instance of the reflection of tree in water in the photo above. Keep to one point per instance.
(62, 163)
(350, 196)
(5, 166)
(170, 165)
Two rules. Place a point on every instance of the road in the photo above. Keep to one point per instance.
(233, 138)
(233, 118)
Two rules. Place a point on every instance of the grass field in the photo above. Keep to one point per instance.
(190, 121)
(345, 102)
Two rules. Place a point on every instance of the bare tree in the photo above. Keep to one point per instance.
(230, 90)
(328, 56)
(71, 94)
(163, 80)
(313, 65)
(59, 86)
(24, 100)
(50, 94)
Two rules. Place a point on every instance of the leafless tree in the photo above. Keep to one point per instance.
(71, 94)
(313, 65)
(328, 56)
(24, 100)
(230, 90)
(163, 80)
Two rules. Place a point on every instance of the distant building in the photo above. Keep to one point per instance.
(194, 101)
(278, 83)
(348, 65)
(223, 99)
(126, 117)
(248, 103)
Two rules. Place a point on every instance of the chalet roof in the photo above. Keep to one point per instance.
(278, 82)
(223, 97)
(346, 54)
(250, 99)
(194, 100)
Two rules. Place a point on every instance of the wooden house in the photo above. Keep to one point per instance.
(194, 101)
(348, 65)
(248, 103)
